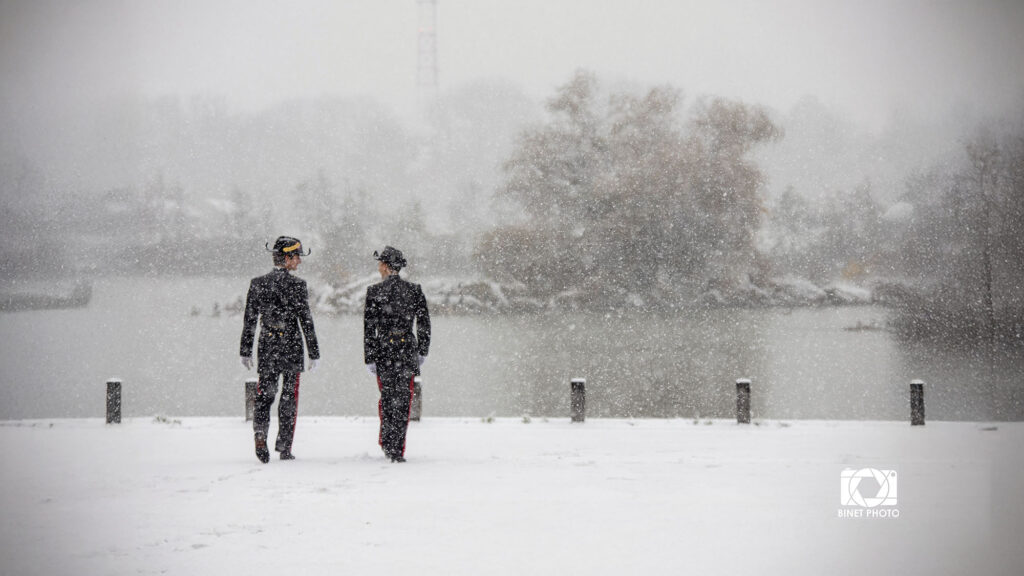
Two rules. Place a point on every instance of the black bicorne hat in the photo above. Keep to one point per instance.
(287, 245)
(392, 257)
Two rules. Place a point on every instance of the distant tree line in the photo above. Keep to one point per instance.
(158, 229)
(949, 253)
(610, 199)
(144, 185)
(965, 243)
(630, 199)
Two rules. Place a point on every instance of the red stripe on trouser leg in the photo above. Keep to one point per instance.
(412, 391)
(380, 411)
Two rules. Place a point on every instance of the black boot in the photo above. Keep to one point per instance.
(287, 455)
(261, 448)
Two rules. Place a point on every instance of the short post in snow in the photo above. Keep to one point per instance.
(743, 401)
(114, 401)
(578, 399)
(416, 409)
(250, 398)
(917, 403)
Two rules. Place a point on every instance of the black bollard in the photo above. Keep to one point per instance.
(578, 399)
(416, 410)
(113, 401)
(917, 403)
(743, 401)
(250, 398)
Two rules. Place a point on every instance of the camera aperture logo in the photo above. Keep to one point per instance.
(868, 493)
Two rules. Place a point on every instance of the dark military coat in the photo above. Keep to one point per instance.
(280, 302)
(396, 326)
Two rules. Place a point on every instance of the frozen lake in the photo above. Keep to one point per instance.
(804, 363)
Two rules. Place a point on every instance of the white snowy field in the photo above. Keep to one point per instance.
(508, 497)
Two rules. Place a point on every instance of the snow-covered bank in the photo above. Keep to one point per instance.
(170, 496)
(477, 295)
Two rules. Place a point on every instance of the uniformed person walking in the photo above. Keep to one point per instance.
(393, 351)
(280, 302)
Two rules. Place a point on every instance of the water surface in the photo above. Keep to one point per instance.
(804, 363)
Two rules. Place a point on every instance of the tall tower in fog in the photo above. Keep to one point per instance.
(426, 63)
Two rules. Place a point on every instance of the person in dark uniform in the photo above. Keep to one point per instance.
(280, 302)
(393, 352)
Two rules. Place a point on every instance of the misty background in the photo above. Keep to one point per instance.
(137, 135)
(597, 156)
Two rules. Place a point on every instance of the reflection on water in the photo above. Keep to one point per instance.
(805, 363)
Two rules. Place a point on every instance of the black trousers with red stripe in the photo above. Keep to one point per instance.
(395, 403)
(287, 408)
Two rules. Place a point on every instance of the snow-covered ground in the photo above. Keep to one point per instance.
(163, 496)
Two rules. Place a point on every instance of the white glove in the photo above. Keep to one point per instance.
(247, 362)
(371, 368)
(423, 360)
(313, 363)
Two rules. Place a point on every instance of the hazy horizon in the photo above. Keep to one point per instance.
(102, 94)
(868, 60)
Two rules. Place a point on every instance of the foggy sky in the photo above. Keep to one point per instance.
(867, 59)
